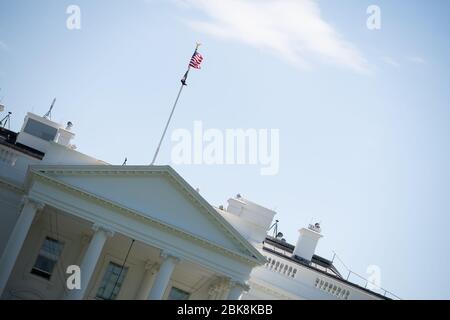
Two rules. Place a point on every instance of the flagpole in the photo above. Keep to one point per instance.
(183, 84)
(167, 124)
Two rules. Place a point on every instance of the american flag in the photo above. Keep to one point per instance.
(196, 60)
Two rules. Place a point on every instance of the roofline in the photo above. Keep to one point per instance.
(253, 254)
(257, 255)
(354, 285)
(290, 248)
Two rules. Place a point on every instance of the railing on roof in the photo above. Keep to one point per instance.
(283, 267)
(313, 264)
(361, 281)
(348, 275)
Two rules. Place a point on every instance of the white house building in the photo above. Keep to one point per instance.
(139, 232)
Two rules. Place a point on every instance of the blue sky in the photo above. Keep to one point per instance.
(363, 115)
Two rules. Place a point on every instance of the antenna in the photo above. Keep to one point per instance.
(6, 120)
(48, 115)
(275, 229)
(125, 162)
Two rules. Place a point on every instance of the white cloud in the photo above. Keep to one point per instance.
(292, 29)
(390, 61)
(415, 59)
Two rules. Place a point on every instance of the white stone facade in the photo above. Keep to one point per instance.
(61, 208)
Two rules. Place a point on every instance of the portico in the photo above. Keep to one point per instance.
(96, 212)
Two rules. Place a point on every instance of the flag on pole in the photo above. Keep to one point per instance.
(196, 60)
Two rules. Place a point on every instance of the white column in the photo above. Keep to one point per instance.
(147, 280)
(236, 290)
(16, 239)
(218, 289)
(90, 260)
(163, 277)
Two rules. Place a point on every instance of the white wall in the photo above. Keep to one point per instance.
(9, 209)
(303, 285)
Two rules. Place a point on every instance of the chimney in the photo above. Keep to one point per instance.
(307, 241)
(65, 135)
(249, 218)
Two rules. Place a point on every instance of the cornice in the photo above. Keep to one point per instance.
(11, 185)
(139, 215)
(167, 172)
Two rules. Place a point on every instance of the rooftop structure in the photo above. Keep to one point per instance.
(141, 232)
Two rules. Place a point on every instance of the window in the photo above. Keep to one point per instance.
(111, 282)
(47, 259)
(178, 294)
(40, 130)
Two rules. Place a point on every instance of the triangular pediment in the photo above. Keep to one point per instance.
(158, 193)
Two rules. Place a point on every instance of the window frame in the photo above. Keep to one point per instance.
(107, 263)
(179, 289)
(32, 128)
(56, 262)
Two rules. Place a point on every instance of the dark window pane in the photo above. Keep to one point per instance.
(40, 130)
(178, 294)
(41, 274)
(111, 282)
(47, 259)
(44, 264)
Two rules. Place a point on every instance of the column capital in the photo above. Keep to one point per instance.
(33, 202)
(223, 282)
(239, 284)
(152, 266)
(85, 238)
(100, 227)
(213, 289)
(218, 286)
(167, 255)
